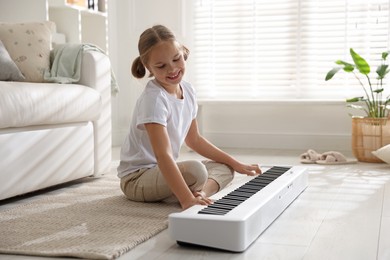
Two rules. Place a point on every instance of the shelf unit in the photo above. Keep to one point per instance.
(78, 24)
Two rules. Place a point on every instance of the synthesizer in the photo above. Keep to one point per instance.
(235, 220)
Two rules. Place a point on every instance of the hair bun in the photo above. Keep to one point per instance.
(138, 69)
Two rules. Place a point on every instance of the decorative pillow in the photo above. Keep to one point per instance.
(28, 44)
(9, 70)
(383, 153)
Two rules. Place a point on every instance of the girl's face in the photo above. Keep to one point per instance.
(166, 63)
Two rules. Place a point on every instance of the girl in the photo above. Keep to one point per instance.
(165, 117)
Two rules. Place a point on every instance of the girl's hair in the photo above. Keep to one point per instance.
(148, 39)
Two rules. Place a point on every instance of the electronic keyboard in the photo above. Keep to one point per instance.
(234, 221)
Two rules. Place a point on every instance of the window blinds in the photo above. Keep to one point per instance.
(282, 49)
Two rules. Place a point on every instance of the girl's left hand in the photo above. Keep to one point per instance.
(248, 169)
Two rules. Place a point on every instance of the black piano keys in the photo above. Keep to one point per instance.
(244, 192)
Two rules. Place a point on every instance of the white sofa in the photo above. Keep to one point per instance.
(54, 133)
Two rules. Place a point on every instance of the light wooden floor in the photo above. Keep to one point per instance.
(343, 214)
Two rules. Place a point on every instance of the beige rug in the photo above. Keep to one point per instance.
(89, 219)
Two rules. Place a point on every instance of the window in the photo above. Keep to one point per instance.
(282, 49)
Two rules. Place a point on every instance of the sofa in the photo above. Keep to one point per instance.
(50, 133)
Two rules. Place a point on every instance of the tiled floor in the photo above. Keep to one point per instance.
(343, 214)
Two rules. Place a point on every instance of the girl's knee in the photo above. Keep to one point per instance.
(221, 173)
(229, 175)
(198, 169)
(194, 172)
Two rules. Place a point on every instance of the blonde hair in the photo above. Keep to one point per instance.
(148, 39)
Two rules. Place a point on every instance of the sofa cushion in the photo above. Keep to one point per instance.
(28, 44)
(28, 104)
(9, 70)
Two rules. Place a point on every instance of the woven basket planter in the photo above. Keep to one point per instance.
(369, 134)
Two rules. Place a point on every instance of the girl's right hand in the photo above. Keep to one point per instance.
(199, 198)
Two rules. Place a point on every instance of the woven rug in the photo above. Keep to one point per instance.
(89, 219)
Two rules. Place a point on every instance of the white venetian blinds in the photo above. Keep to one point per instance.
(282, 49)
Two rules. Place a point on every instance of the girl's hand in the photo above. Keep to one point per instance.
(201, 195)
(199, 198)
(248, 169)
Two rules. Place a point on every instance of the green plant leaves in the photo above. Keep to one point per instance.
(361, 64)
(355, 99)
(379, 90)
(382, 71)
(372, 103)
(347, 67)
(331, 73)
(384, 55)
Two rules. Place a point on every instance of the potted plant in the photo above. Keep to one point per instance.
(371, 132)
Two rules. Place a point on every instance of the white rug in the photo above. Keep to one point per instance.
(89, 219)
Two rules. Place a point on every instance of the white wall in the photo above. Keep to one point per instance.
(23, 11)
(276, 124)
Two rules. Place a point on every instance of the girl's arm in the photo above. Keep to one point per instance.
(202, 146)
(159, 139)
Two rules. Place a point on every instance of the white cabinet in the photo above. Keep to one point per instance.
(80, 24)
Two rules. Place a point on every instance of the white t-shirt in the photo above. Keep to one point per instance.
(156, 105)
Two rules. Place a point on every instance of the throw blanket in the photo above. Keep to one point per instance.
(65, 62)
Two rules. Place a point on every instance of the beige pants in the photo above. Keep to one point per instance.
(149, 184)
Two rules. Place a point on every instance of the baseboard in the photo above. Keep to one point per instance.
(322, 142)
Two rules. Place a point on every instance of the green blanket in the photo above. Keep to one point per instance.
(65, 62)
